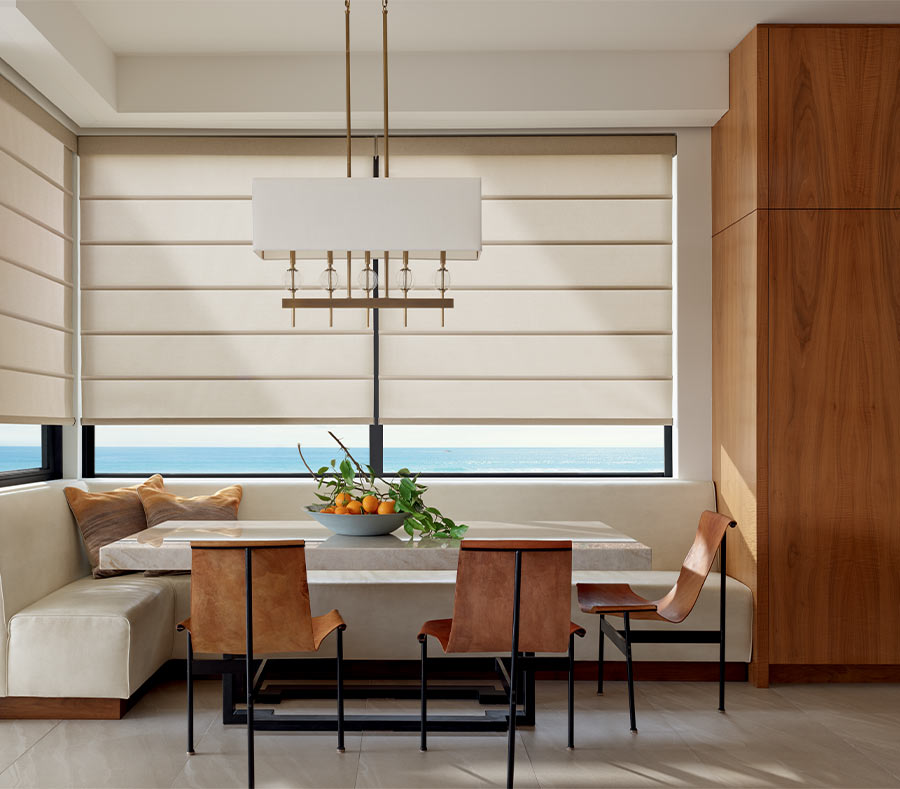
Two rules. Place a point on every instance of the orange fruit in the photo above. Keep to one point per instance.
(327, 509)
(341, 511)
(341, 499)
(386, 507)
(354, 507)
(370, 504)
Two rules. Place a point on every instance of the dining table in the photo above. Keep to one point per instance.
(167, 548)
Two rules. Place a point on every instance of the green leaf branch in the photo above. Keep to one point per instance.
(350, 477)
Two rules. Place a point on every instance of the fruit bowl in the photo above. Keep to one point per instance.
(357, 525)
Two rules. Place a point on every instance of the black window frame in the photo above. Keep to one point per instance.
(51, 461)
(376, 457)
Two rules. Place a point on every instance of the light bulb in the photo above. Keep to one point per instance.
(442, 279)
(405, 279)
(329, 279)
(287, 282)
(368, 280)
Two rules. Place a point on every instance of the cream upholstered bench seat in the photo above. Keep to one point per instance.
(68, 635)
(93, 638)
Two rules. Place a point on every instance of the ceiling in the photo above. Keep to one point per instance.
(146, 27)
(264, 64)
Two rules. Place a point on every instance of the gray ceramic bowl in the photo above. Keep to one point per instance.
(357, 525)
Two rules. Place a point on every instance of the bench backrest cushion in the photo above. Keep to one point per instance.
(40, 549)
(661, 513)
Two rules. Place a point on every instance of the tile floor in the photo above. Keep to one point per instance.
(794, 736)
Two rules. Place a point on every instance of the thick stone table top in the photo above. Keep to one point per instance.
(595, 546)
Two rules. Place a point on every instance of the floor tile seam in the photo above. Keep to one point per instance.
(25, 752)
(889, 770)
(362, 739)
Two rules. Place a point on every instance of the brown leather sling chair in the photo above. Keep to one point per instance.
(622, 600)
(252, 598)
(511, 596)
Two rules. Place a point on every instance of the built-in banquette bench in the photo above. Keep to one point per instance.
(70, 636)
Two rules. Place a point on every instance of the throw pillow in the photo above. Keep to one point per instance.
(160, 506)
(106, 517)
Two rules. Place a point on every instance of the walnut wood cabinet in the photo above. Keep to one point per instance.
(806, 345)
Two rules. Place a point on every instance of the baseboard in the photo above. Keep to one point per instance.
(797, 673)
(40, 708)
(654, 671)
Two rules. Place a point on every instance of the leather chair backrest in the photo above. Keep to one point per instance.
(282, 621)
(682, 597)
(485, 590)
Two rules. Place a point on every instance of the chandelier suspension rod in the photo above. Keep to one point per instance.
(347, 72)
(384, 66)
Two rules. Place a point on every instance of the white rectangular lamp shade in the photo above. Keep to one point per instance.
(314, 216)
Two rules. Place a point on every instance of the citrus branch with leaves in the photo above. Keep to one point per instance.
(352, 479)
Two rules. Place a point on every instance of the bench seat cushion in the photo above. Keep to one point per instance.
(384, 610)
(92, 638)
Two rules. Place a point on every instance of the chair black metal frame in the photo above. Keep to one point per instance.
(254, 682)
(623, 639)
(515, 667)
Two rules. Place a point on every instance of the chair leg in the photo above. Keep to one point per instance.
(571, 741)
(251, 771)
(630, 671)
(340, 689)
(600, 640)
(423, 743)
(511, 741)
(190, 696)
(722, 579)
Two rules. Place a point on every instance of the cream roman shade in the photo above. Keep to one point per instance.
(181, 322)
(36, 217)
(567, 316)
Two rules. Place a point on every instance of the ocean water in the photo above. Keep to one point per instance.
(14, 458)
(284, 460)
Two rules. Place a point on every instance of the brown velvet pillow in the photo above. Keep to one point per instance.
(160, 506)
(106, 517)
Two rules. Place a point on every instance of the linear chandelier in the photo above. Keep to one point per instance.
(369, 218)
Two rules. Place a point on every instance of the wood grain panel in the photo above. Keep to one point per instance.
(40, 708)
(739, 139)
(834, 436)
(834, 108)
(739, 393)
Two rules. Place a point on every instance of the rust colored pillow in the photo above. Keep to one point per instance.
(106, 517)
(160, 506)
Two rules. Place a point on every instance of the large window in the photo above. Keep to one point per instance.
(555, 360)
(471, 450)
(269, 450)
(29, 453)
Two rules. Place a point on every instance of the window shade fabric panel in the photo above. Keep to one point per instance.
(534, 402)
(181, 322)
(261, 356)
(221, 400)
(33, 247)
(36, 215)
(567, 316)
